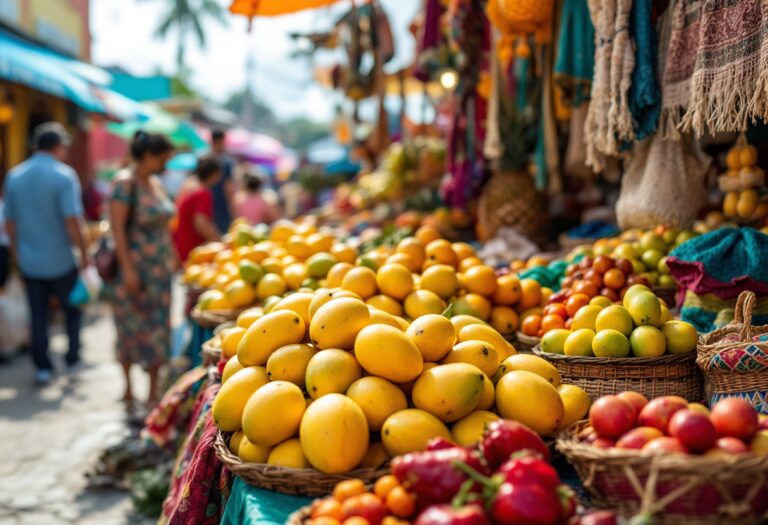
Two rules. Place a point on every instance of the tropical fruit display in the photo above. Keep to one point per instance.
(641, 326)
(336, 383)
(253, 264)
(504, 478)
(743, 185)
(671, 425)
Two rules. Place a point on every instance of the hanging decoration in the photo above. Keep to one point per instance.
(255, 8)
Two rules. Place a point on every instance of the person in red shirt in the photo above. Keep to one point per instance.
(195, 224)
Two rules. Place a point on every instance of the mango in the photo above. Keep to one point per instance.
(252, 453)
(229, 403)
(269, 333)
(273, 413)
(288, 454)
(296, 302)
(488, 398)
(382, 317)
(387, 352)
(576, 403)
(449, 392)
(470, 429)
(434, 336)
(331, 371)
(230, 367)
(289, 363)
(479, 332)
(479, 353)
(531, 400)
(375, 456)
(410, 430)
(378, 398)
(337, 323)
(334, 434)
(532, 363)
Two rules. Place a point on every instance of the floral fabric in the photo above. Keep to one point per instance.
(143, 320)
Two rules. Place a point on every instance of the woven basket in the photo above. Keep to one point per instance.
(526, 343)
(305, 482)
(300, 517)
(733, 363)
(667, 375)
(676, 489)
(213, 318)
(211, 351)
(668, 293)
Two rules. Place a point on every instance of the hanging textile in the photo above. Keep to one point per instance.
(493, 147)
(644, 93)
(609, 121)
(716, 75)
(575, 54)
(429, 40)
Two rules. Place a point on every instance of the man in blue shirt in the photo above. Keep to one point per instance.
(44, 220)
(224, 190)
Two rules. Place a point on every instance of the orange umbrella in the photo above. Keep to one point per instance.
(254, 8)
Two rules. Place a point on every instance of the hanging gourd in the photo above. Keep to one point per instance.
(253, 8)
(516, 20)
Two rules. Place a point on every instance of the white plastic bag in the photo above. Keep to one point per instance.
(14, 316)
(87, 288)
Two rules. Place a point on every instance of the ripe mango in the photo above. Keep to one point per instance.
(331, 371)
(387, 352)
(273, 413)
(479, 353)
(410, 430)
(337, 323)
(229, 403)
(449, 392)
(269, 333)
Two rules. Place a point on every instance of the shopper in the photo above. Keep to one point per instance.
(252, 204)
(224, 190)
(195, 224)
(5, 247)
(44, 221)
(140, 211)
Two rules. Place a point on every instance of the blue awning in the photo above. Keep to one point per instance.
(41, 69)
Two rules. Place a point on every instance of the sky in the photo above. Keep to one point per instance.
(123, 35)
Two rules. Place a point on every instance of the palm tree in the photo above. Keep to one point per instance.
(183, 16)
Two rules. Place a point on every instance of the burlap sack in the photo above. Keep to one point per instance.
(663, 184)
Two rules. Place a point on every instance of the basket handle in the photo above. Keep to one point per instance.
(743, 314)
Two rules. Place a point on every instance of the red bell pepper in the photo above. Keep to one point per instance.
(503, 438)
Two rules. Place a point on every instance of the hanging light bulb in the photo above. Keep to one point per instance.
(449, 79)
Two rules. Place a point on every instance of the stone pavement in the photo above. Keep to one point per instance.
(50, 437)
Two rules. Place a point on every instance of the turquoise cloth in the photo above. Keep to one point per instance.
(729, 255)
(199, 336)
(248, 505)
(548, 276)
(644, 94)
(575, 61)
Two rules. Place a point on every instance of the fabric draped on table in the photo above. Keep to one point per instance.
(168, 423)
(199, 483)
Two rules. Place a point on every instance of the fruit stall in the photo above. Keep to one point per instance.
(487, 328)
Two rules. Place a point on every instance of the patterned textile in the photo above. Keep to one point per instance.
(716, 77)
(143, 320)
(609, 121)
(709, 311)
(747, 358)
(644, 94)
(169, 421)
(199, 483)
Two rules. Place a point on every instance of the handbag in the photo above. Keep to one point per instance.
(105, 256)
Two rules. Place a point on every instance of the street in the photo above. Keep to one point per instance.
(50, 437)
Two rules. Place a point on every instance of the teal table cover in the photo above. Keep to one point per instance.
(249, 505)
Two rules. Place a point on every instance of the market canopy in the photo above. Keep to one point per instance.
(26, 63)
(158, 120)
(254, 8)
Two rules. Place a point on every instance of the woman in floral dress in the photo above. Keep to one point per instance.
(140, 211)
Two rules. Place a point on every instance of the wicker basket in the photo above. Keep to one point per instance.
(300, 517)
(667, 375)
(211, 351)
(526, 343)
(668, 293)
(733, 363)
(305, 482)
(676, 489)
(213, 318)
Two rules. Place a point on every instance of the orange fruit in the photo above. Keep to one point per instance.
(588, 288)
(325, 520)
(469, 262)
(481, 280)
(440, 251)
(400, 502)
(507, 290)
(546, 293)
(413, 248)
(748, 155)
(733, 159)
(556, 309)
(575, 302)
(384, 485)
(328, 507)
(348, 488)
(531, 325)
(463, 250)
(552, 321)
(427, 234)
(530, 294)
